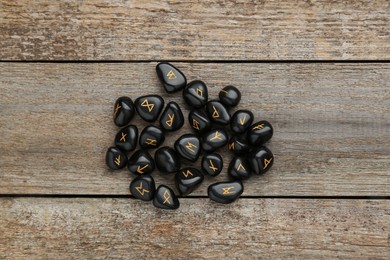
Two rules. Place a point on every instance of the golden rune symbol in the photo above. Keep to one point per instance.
(171, 75)
(189, 146)
(199, 92)
(167, 196)
(261, 126)
(224, 91)
(118, 160)
(215, 113)
(117, 109)
(266, 162)
(141, 190)
(242, 120)
(240, 166)
(170, 120)
(140, 169)
(216, 136)
(227, 190)
(212, 167)
(150, 141)
(187, 173)
(123, 138)
(231, 146)
(146, 103)
(195, 124)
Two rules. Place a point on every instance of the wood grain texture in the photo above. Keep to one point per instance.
(331, 125)
(252, 228)
(196, 30)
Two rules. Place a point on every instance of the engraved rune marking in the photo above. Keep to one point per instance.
(261, 126)
(187, 173)
(195, 124)
(141, 190)
(171, 75)
(170, 120)
(118, 160)
(224, 91)
(215, 113)
(140, 170)
(146, 103)
(266, 162)
(242, 120)
(117, 109)
(167, 196)
(123, 138)
(216, 136)
(240, 166)
(212, 167)
(189, 146)
(150, 141)
(227, 190)
(231, 146)
(199, 92)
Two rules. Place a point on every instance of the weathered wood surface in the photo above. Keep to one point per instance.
(196, 30)
(78, 228)
(331, 125)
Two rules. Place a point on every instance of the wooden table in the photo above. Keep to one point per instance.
(317, 70)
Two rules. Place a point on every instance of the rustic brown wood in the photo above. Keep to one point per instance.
(197, 30)
(252, 228)
(331, 125)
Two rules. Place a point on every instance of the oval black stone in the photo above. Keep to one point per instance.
(261, 159)
(188, 147)
(217, 113)
(172, 118)
(123, 111)
(199, 121)
(241, 121)
(259, 133)
(212, 164)
(187, 180)
(214, 139)
(165, 198)
(115, 158)
(167, 160)
(225, 192)
(141, 163)
(230, 96)
(126, 138)
(239, 168)
(149, 107)
(143, 187)
(171, 77)
(238, 145)
(196, 94)
(151, 137)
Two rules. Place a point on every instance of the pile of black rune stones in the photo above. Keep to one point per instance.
(210, 121)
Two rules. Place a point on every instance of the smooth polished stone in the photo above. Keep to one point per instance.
(115, 158)
(149, 107)
(188, 147)
(141, 163)
(196, 94)
(261, 160)
(187, 180)
(241, 121)
(167, 160)
(165, 198)
(259, 133)
(123, 111)
(143, 187)
(126, 138)
(214, 139)
(172, 118)
(238, 145)
(225, 192)
(217, 113)
(199, 121)
(230, 96)
(212, 164)
(151, 137)
(171, 77)
(239, 168)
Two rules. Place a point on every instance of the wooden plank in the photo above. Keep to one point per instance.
(251, 228)
(331, 125)
(183, 30)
